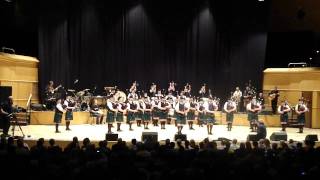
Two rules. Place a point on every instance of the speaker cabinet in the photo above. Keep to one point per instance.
(278, 136)
(149, 137)
(183, 137)
(311, 137)
(252, 137)
(111, 137)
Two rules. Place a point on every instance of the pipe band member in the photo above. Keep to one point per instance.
(210, 108)
(58, 112)
(181, 112)
(132, 109)
(122, 110)
(163, 107)
(230, 107)
(201, 113)
(69, 104)
(147, 112)
(112, 109)
(140, 112)
(301, 109)
(191, 115)
(283, 110)
(253, 109)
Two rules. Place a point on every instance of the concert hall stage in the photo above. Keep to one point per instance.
(98, 132)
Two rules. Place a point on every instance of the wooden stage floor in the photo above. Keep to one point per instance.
(98, 132)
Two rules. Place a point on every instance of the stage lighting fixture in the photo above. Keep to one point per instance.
(299, 64)
(317, 51)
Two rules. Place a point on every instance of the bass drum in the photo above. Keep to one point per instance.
(120, 96)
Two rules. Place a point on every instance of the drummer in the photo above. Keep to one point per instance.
(95, 111)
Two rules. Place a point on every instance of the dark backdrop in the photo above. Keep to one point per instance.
(221, 43)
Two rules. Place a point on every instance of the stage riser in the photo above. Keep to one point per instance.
(46, 118)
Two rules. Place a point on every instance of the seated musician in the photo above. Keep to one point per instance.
(6, 110)
(95, 111)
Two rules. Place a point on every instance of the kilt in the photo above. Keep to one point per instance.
(181, 119)
(110, 116)
(301, 119)
(139, 115)
(191, 116)
(163, 114)
(119, 117)
(229, 117)
(284, 118)
(131, 117)
(210, 118)
(252, 116)
(202, 118)
(57, 117)
(146, 116)
(69, 116)
(155, 113)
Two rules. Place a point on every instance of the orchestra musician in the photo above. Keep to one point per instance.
(163, 107)
(192, 107)
(172, 87)
(273, 96)
(260, 100)
(203, 90)
(132, 109)
(122, 110)
(187, 90)
(50, 99)
(301, 109)
(253, 109)
(112, 109)
(181, 112)
(237, 94)
(247, 96)
(147, 111)
(153, 90)
(95, 111)
(133, 87)
(58, 114)
(229, 107)
(283, 110)
(69, 104)
(6, 113)
(210, 108)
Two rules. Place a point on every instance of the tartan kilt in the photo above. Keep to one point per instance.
(69, 116)
(57, 117)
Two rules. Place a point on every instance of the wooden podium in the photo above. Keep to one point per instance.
(294, 83)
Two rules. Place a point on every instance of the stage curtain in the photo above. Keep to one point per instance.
(104, 43)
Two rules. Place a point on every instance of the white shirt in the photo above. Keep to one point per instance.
(59, 107)
(225, 106)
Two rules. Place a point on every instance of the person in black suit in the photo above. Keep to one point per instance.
(6, 111)
(261, 130)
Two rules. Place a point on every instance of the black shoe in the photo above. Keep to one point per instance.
(58, 132)
(130, 129)
(68, 129)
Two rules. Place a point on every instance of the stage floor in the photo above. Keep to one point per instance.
(98, 132)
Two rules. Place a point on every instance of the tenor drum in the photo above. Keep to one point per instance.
(120, 96)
